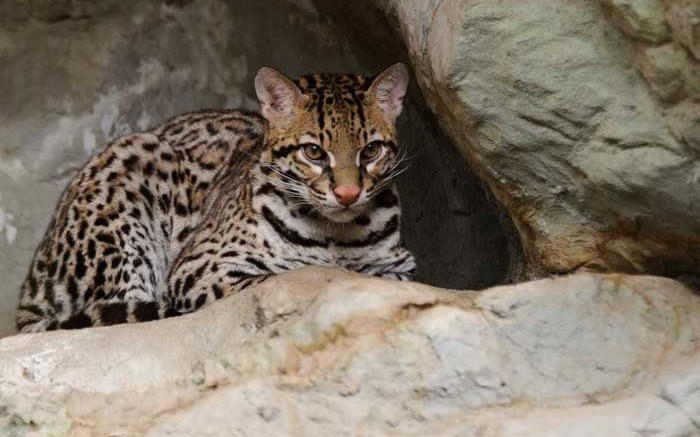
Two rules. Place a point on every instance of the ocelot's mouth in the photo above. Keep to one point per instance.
(342, 214)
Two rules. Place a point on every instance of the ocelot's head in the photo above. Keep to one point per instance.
(331, 141)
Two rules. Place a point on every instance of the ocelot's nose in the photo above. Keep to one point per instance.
(347, 194)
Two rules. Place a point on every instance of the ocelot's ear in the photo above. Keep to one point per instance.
(388, 90)
(279, 97)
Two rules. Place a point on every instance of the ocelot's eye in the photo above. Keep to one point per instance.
(313, 151)
(371, 150)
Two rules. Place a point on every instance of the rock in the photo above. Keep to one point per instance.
(665, 68)
(544, 102)
(325, 352)
(640, 19)
(684, 18)
(684, 122)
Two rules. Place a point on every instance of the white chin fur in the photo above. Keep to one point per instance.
(340, 215)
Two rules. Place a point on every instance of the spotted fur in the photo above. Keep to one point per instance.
(163, 222)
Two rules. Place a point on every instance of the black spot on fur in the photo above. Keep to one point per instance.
(218, 292)
(170, 312)
(189, 283)
(257, 263)
(72, 288)
(146, 311)
(180, 209)
(146, 193)
(105, 238)
(130, 162)
(150, 146)
(101, 221)
(362, 220)
(53, 265)
(80, 267)
(100, 273)
(149, 168)
(77, 321)
(113, 313)
(116, 261)
(91, 249)
(82, 230)
(201, 300)
(183, 234)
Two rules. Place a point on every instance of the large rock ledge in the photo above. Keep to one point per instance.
(325, 352)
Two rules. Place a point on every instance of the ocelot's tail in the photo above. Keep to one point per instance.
(96, 314)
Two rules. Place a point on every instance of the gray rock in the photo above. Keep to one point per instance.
(640, 19)
(684, 18)
(325, 352)
(666, 69)
(544, 101)
(684, 122)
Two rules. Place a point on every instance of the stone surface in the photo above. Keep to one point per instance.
(77, 74)
(325, 352)
(684, 18)
(663, 67)
(684, 122)
(640, 19)
(545, 102)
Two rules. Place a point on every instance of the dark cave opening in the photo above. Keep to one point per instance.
(461, 237)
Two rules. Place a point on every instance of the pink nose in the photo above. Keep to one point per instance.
(347, 194)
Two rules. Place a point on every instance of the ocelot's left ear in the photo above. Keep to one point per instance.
(280, 98)
(388, 90)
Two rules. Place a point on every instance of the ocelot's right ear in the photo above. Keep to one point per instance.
(279, 97)
(388, 90)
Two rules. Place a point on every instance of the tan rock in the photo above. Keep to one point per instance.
(684, 18)
(684, 121)
(665, 68)
(325, 352)
(642, 20)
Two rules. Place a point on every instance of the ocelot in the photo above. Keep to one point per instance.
(161, 222)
